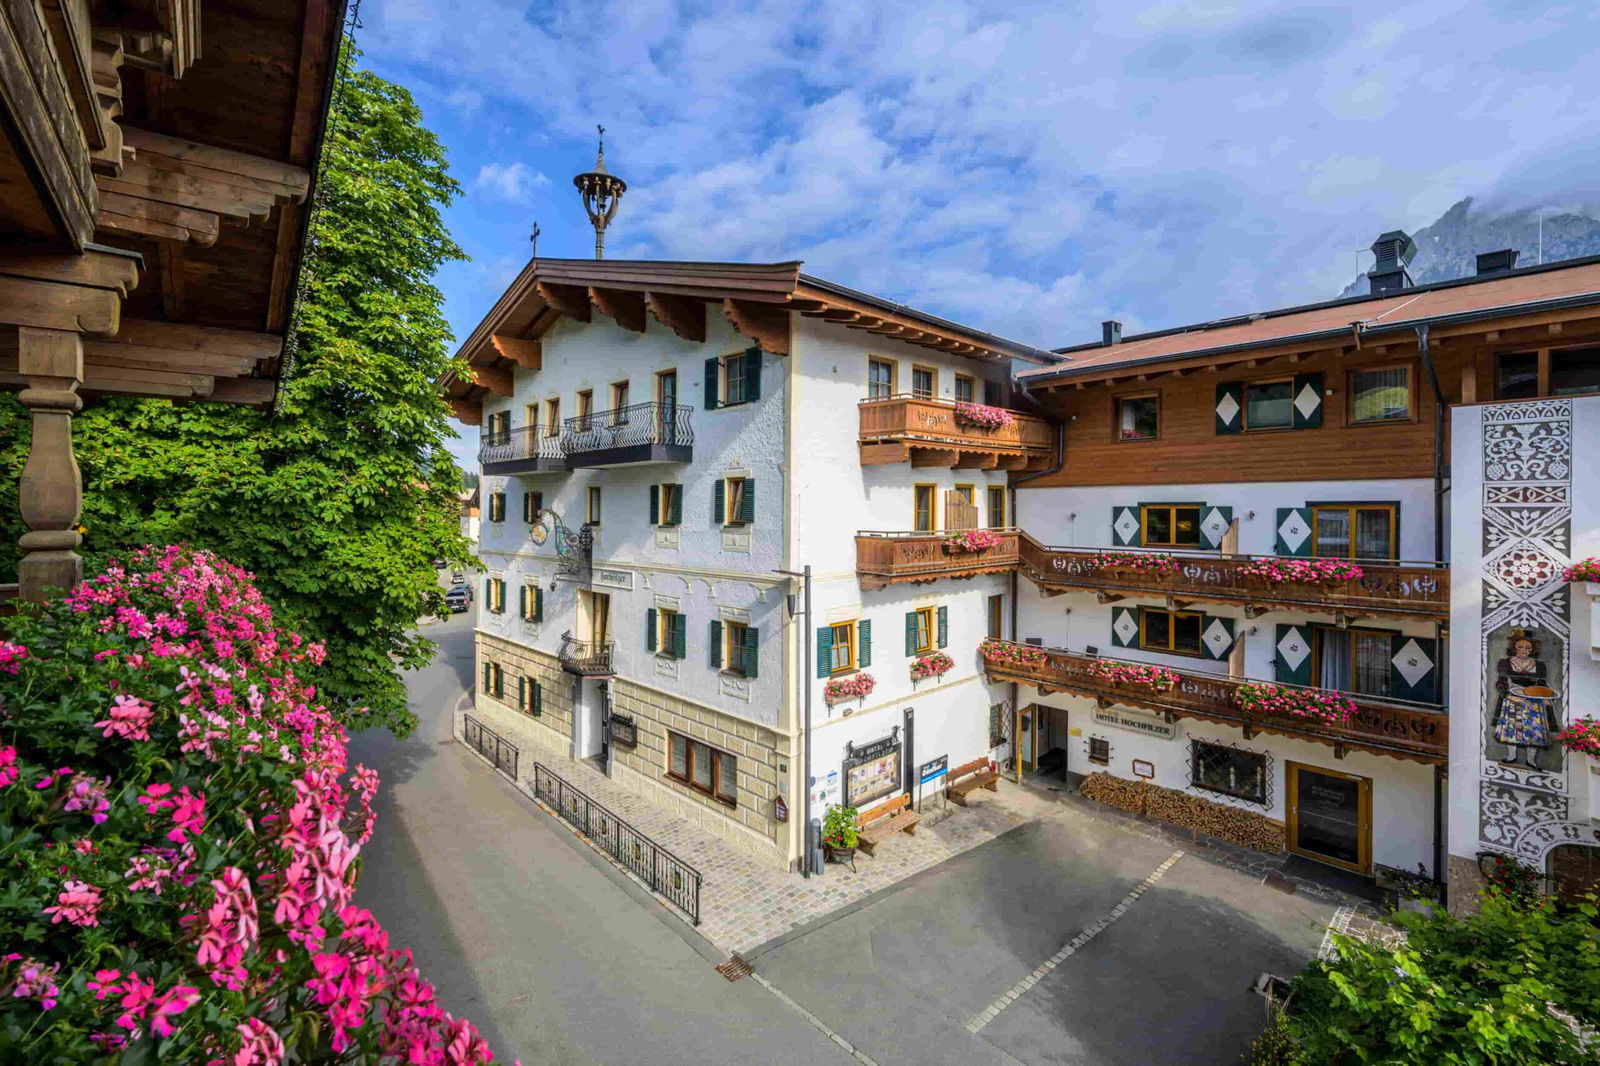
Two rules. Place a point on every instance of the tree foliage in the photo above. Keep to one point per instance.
(339, 499)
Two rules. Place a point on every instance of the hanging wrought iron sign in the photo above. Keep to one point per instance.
(573, 548)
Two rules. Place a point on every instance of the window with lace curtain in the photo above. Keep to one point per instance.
(1380, 395)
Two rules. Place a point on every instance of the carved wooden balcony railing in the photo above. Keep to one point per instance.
(897, 428)
(1416, 731)
(1405, 589)
(884, 559)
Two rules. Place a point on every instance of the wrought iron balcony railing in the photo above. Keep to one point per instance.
(638, 433)
(893, 425)
(521, 445)
(586, 658)
(897, 558)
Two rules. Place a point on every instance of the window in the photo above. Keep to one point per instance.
(880, 379)
(585, 409)
(921, 630)
(1351, 660)
(926, 517)
(593, 498)
(1100, 750)
(1555, 372)
(735, 635)
(499, 428)
(552, 418)
(1352, 531)
(1269, 404)
(996, 616)
(997, 506)
(670, 630)
(493, 680)
(1574, 371)
(532, 602)
(1381, 395)
(735, 515)
(843, 647)
(1516, 375)
(497, 507)
(703, 768)
(997, 725)
(924, 383)
(1138, 417)
(966, 389)
(1230, 771)
(666, 505)
(733, 375)
(494, 595)
(1170, 525)
(619, 403)
(532, 504)
(530, 416)
(733, 501)
(1175, 632)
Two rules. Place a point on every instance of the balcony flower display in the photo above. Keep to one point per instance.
(1009, 654)
(971, 541)
(933, 664)
(1582, 736)
(1154, 678)
(1308, 571)
(182, 837)
(1287, 701)
(1141, 562)
(852, 687)
(982, 416)
(1587, 570)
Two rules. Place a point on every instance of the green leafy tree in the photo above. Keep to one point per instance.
(340, 498)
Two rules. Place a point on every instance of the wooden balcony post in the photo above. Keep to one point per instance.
(50, 494)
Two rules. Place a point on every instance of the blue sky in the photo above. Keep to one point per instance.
(1030, 169)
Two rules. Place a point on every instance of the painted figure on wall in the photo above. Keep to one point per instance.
(1525, 717)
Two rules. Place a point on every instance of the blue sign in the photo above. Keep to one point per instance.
(932, 771)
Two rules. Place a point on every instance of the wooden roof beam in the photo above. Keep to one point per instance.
(188, 340)
(765, 324)
(625, 308)
(840, 315)
(570, 300)
(467, 411)
(525, 353)
(683, 315)
(498, 382)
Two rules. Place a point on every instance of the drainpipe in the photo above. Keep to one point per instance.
(1438, 834)
(805, 780)
(1439, 407)
(1016, 584)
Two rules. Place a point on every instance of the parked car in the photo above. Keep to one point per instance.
(438, 564)
(458, 598)
(458, 577)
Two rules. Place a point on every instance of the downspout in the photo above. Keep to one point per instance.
(805, 780)
(1439, 406)
(1016, 583)
(1438, 835)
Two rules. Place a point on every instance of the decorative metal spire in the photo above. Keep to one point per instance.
(533, 239)
(601, 193)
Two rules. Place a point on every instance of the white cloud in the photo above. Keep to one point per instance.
(509, 181)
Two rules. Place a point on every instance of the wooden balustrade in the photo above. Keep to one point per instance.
(884, 559)
(927, 432)
(1407, 589)
(1402, 730)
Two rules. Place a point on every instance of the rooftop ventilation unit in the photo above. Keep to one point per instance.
(1497, 262)
(1393, 251)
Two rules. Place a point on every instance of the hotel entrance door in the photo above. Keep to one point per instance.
(1330, 817)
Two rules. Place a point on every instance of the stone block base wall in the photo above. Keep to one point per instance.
(1466, 881)
(552, 730)
(1185, 811)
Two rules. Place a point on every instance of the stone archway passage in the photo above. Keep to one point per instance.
(1575, 871)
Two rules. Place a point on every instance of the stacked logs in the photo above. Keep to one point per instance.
(1169, 805)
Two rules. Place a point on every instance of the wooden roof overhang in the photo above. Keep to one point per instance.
(1522, 306)
(756, 298)
(158, 164)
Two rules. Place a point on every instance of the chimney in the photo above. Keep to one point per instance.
(1110, 332)
(1393, 251)
(1497, 262)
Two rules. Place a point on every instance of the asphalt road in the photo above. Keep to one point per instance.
(553, 954)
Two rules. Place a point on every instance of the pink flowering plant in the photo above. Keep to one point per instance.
(973, 540)
(180, 833)
(1155, 678)
(1309, 571)
(1144, 562)
(1582, 736)
(933, 664)
(850, 687)
(1011, 654)
(1586, 570)
(982, 416)
(1288, 701)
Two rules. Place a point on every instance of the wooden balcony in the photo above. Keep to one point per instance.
(929, 434)
(1415, 731)
(884, 559)
(1400, 589)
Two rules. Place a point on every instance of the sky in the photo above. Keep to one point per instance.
(1029, 169)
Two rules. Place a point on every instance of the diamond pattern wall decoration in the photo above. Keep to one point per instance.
(1126, 526)
(1293, 648)
(1412, 662)
(1307, 401)
(1294, 530)
(1218, 638)
(1228, 409)
(1125, 627)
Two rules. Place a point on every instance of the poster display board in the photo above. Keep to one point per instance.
(872, 771)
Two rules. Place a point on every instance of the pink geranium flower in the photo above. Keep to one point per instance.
(78, 903)
(129, 719)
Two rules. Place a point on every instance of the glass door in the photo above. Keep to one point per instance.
(1330, 817)
(667, 407)
(600, 620)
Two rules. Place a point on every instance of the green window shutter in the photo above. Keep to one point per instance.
(488, 591)
(752, 651)
(1216, 637)
(1214, 523)
(752, 375)
(522, 602)
(713, 367)
(1307, 401)
(500, 595)
(538, 604)
(486, 677)
(538, 503)
(650, 629)
(718, 501)
(527, 507)
(1230, 407)
(747, 507)
(655, 505)
(1125, 527)
(1292, 655)
(1292, 534)
(522, 693)
(911, 632)
(716, 644)
(1124, 627)
(538, 699)
(1414, 668)
(864, 643)
(677, 505)
(944, 627)
(499, 684)
(824, 651)
(680, 636)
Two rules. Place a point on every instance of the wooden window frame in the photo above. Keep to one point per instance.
(1316, 654)
(494, 684)
(733, 650)
(530, 411)
(552, 416)
(728, 379)
(664, 493)
(585, 408)
(620, 391)
(1116, 416)
(992, 493)
(849, 644)
(530, 597)
(1171, 647)
(1411, 414)
(732, 505)
(664, 629)
(994, 615)
(714, 791)
(971, 490)
(955, 393)
(1144, 525)
(1542, 357)
(1194, 775)
(1097, 746)
(933, 375)
(928, 616)
(1244, 404)
(1291, 793)
(1394, 527)
(662, 375)
(933, 506)
(894, 376)
(593, 505)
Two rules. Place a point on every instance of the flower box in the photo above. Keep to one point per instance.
(933, 664)
(972, 541)
(982, 416)
(1286, 701)
(1301, 571)
(1154, 678)
(1161, 564)
(1000, 651)
(853, 687)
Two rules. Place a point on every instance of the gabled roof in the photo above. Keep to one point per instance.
(756, 298)
(1529, 290)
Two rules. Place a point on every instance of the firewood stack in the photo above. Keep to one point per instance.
(1218, 820)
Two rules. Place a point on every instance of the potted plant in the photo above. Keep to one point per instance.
(855, 686)
(839, 833)
(1301, 571)
(1155, 678)
(1587, 570)
(933, 664)
(1011, 654)
(972, 541)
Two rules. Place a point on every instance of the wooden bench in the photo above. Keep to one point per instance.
(969, 777)
(884, 821)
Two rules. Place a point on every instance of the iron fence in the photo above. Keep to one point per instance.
(666, 874)
(491, 745)
(621, 427)
(524, 442)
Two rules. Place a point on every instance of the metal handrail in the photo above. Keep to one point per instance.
(667, 875)
(586, 654)
(524, 442)
(620, 427)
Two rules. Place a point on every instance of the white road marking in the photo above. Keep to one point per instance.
(822, 1026)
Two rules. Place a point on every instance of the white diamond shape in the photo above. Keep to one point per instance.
(1412, 662)
(1126, 526)
(1307, 401)
(1293, 649)
(1125, 626)
(1217, 637)
(1227, 409)
(1294, 531)
(1214, 526)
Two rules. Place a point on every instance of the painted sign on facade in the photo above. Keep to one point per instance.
(614, 579)
(1147, 724)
